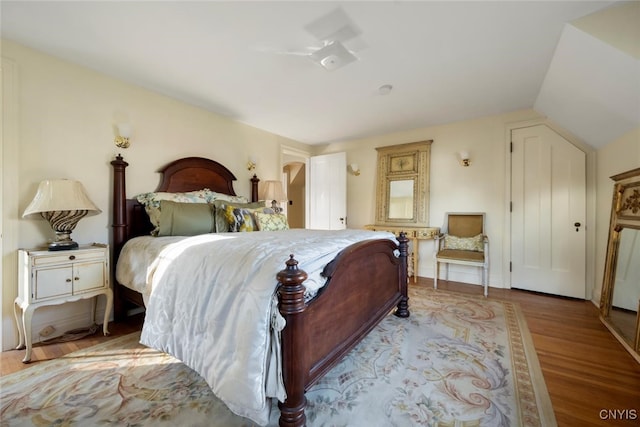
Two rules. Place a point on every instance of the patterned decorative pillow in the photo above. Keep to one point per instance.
(222, 223)
(151, 202)
(271, 222)
(240, 219)
(475, 243)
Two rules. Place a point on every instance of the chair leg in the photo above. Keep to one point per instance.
(485, 280)
(435, 274)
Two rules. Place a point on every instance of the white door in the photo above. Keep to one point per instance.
(548, 193)
(328, 192)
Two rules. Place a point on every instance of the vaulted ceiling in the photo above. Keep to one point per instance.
(573, 61)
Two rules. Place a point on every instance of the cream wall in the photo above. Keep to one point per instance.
(481, 187)
(618, 156)
(65, 129)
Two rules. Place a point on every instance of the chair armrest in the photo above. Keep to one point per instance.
(438, 243)
(438, 240)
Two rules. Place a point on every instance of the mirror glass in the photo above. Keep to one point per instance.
(401, 199)
(626, 285)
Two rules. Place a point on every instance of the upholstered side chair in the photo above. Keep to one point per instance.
(462, 240)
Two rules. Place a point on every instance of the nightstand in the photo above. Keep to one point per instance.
(57, 277)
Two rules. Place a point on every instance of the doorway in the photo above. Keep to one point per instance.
(295, 176)
(294, 179)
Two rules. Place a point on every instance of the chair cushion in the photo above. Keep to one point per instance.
(457, 254)
(475, 243)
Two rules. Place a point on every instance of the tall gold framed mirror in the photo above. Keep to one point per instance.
(402, 190)
(620, 300)
(402, 195)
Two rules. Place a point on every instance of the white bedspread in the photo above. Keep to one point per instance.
(210, 302)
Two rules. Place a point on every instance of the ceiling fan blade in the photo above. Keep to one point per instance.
(334, 26)
(271, 49)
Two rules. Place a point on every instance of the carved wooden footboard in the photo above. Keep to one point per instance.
(364, 283)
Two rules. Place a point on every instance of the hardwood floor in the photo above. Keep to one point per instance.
(11, 361)
(591, 378)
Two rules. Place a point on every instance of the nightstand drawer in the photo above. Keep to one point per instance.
(67, 257)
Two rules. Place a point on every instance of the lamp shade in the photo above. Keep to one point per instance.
(63, 203)
(60, 195)
(272, 190)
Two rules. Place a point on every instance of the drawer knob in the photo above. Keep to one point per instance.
(72, 257)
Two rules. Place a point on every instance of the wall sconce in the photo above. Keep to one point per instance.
(124, 132)
(354, 169)
(272, 190)
(63, 203)
(464, 158)
(251, 164)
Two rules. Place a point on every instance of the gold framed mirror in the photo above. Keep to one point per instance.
(620, 300)
(402, 190)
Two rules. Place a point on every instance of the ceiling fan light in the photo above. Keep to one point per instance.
(333, 56)
(385, 89)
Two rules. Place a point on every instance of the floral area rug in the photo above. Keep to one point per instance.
(457, 361)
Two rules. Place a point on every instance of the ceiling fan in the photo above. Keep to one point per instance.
(332, 30)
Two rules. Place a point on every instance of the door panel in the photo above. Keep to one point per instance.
(88, 276)
(548, 239)
(328, 192)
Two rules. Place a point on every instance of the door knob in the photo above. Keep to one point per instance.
(577, 226)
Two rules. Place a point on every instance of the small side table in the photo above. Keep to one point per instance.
(57, 277)
(414, 234)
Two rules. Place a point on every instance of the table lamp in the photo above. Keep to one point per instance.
(62, 203)
(272, 190)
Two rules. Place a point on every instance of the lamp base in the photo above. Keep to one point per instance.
(63, 246)
(63, 223)
(276, 208)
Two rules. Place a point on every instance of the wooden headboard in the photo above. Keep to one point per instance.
(187, 174)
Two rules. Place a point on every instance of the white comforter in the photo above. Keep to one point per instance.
(210, 303)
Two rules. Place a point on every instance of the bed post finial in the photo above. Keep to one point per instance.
(291, 303)
(402, 309)
(254, 188)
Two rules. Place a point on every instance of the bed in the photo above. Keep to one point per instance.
(362, 283)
